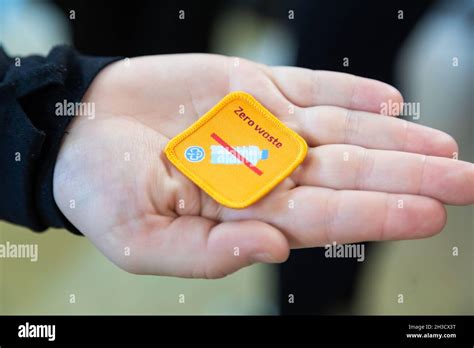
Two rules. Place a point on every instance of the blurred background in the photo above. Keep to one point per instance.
(424, 48)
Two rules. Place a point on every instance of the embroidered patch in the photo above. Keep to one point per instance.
(237, 152)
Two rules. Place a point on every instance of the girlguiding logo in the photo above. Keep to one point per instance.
(194, 154)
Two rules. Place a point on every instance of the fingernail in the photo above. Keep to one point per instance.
(264, 257)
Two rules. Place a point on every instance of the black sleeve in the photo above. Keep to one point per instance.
(30, 131)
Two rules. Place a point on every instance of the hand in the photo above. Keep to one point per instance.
(366, 176)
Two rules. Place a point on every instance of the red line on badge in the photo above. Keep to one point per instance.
(236, 154)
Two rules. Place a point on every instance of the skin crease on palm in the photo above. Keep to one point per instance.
(135, 205)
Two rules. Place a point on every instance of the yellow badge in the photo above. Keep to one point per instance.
(237, 152)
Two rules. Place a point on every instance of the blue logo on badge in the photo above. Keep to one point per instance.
(194, 154)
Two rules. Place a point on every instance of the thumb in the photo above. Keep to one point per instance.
(237, 244)
(193, 246)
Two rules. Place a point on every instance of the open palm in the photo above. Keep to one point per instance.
(366, 176)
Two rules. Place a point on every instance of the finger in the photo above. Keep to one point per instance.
(305, 88)
(355, 168)
(323, 125)
(314, 216)
(197, 247)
